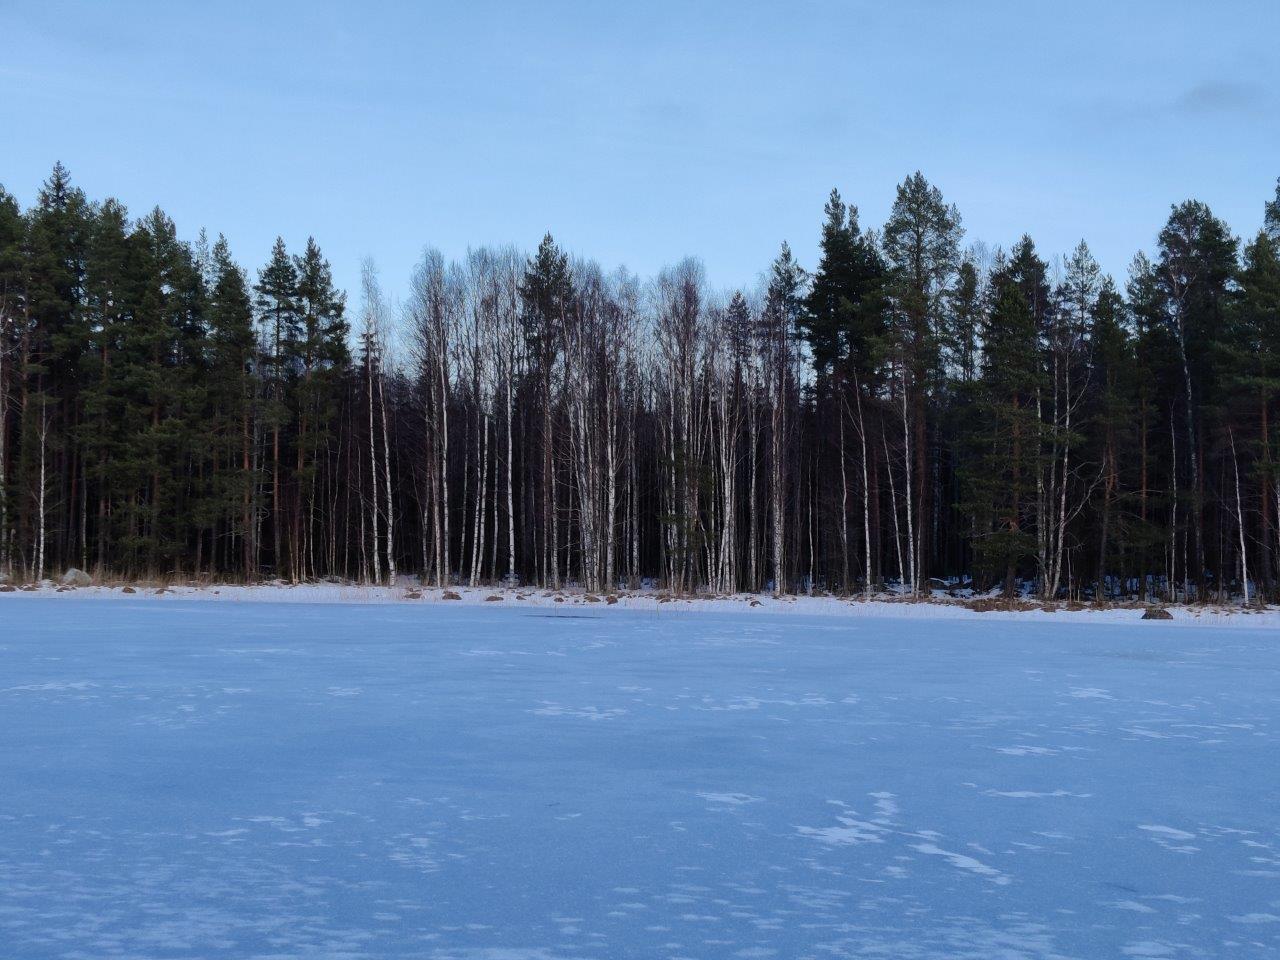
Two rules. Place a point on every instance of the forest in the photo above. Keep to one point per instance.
(909, 413)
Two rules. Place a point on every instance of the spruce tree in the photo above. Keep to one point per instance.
(827, 322)
(545, 292)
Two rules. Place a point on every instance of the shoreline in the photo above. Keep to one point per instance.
(652, 600)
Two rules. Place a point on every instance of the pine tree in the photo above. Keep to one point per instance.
(1197, 261)
(323, 357)
(1255, 383)
(109, 376)
(158, 416)
(279, 315)
(1271, 215)
(170, 323)
(13, 309)
(964, 321)
(1156, 374)
(921, 244)
(51, 345)
(1004, 445)
(232, 407)
(783, 307)
(843, 323)
(1110, 422)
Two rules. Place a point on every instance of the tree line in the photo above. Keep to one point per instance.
(909, 414)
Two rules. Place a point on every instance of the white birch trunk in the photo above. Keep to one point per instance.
(40, 496)
(386, 473)
(906, 459)
(1244, 556)
(893, 500)
(866, 495)
(373, 465)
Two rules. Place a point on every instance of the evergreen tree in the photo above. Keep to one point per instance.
(921, 245)
(842, 316)
(171, 323)
(13, 312)
(51, 344)
(159, 416)
(1271, 215)
(783, 307)
(1254, 366)
(111, 375)
(545, 292)
(279, 315)
(964, 321)
(1004, 445)
(1197, 262)
(323, 358)
(1110, 422)
(232, 409)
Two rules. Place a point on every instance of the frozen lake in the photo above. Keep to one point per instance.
(186, 779)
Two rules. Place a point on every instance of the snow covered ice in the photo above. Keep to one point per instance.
(183, 779)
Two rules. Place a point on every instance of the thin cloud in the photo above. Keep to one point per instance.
(1220, 96)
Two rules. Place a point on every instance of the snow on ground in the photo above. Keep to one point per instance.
(487, 781)
(408, 590)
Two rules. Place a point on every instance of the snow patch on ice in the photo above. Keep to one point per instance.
(1090, 693)
(52, 685)
(552, 709)
(963, 862)
(730, 799)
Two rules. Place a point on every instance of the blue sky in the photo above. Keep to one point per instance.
(639, 133)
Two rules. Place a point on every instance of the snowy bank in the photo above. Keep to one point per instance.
(409, 592)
